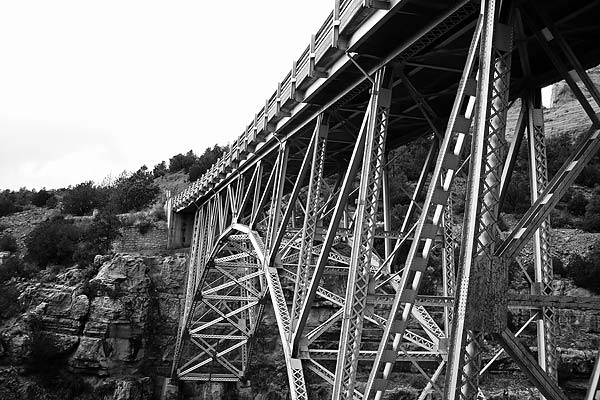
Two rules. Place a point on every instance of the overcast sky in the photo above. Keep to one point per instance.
(90, 88)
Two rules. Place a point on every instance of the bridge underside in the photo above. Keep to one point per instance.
(300, 211)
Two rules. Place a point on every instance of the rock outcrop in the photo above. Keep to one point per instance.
(100, 324)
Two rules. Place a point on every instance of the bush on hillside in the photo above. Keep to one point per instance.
(40, 198)
(559, 267)
(133, 192)
(561, 219)
(15, 201)
(7, 203)
(15, 267)
(182, 162)
(518, 196)
(53, 241)
(591, 221)
(98, 237)
(558, 149)
(8, 243)
(9, 301)
(577, 204)
(586, 271)
(205, 161)
(52, 202)
(159, 170)
(590, 176)
(83, 198)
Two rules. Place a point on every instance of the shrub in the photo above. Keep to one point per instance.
(518, 196)
(53, 241)
(70, 386)
(40, 198)
(159, 170)
(577, 204)
(144, 226)
(558, 149)
(9, 301)
(15, 267)
(591, 221)
(98, 238)
(586, 271)
(157, 213)
(590, 176)
(181, 162)
(561, 219)
(559, 267)
(407, 154)
(205, 161)
(195, 173)
(7, 204)
(52, 202)
(104, 230)
(83, 198)
(133, 192)
(8, 243)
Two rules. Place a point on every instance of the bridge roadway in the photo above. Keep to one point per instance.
(429, 38)
(298, 212)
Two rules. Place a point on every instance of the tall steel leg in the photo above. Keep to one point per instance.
(475, 310)
(363, 237)
(190, 289)
(546, 326)
(450, 150)
(311, 219)
(448, 264)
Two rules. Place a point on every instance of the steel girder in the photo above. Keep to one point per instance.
(357, 287)
(247, 242)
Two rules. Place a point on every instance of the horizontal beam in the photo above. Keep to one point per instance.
(535, 301)
(210, 377)
(369, 355)
(515, 300)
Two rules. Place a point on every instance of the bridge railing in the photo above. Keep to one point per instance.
(305, 70)
(323, 39)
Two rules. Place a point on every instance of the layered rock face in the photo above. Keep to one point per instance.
(116, 327)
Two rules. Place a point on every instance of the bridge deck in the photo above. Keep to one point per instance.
(429, 39)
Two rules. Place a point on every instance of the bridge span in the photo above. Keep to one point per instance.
(299, 212)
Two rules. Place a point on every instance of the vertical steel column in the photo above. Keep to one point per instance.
(338, 211)
(407, 286)
(480, 231)
(387, 212)
(364, 231)
(448, 264)
(544, 274)
(311, 217)
(275, 208)
(190, 290)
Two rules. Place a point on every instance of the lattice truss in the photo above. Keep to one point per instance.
(311, 234)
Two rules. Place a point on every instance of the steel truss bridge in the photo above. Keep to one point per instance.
(298, 213)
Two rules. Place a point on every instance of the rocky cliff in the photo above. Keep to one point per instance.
(110, 326)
